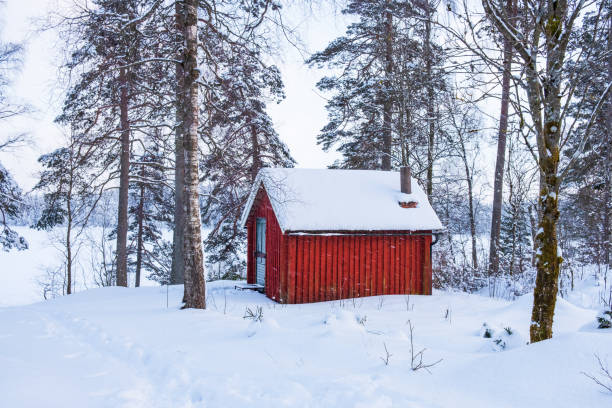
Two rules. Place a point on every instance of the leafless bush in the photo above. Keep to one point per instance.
(255, 315)
(409, 306)
(604, 379)
(387, 355)
(417, 362)
(53, 282)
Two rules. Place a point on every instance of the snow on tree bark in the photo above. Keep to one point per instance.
(195, 291)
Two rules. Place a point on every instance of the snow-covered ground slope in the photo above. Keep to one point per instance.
(117, 347)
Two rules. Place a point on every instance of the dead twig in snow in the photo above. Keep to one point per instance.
(417, 362)
(387, 356)
(606, 380)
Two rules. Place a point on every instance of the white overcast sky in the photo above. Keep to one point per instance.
(298, 118)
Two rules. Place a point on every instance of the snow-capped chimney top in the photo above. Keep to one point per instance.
(405, 178)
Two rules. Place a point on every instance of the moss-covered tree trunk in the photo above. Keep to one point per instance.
(545, 99)
(549, 28)
(547, 259)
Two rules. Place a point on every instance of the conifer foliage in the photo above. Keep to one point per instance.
(381, 111)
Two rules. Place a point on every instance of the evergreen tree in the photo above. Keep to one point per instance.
(588, 183)
(11, 198)
(383, 112)
(10, 207)
(515, 243)
(241, 140)
(109, 105)
(149, 212)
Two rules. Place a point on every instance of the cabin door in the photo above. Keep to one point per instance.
(260, 251)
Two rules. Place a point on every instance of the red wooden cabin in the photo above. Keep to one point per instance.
(317, 235)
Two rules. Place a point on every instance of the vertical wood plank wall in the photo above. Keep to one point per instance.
(274, 237)
(330, 267)
(315, 268)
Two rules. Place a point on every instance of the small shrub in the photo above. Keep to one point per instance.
(387, 356)
(255, 315)
(487, 332)
(500, 343)
(604, 379)
(605, 319)
(416, 359)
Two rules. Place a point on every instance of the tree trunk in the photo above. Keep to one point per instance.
(68, 237)
(140, 220)
(547, 259)
(177, 274)
(544, 98)
(193, 257)
(472, 224)
(124, 180)
(498, 183)
(469, 177)
(513, 237)
(533, 222)
(608, 193)
(430, 101)
(388, 102)
(256, 164)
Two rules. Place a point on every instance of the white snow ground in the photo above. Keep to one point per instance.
(117, 347)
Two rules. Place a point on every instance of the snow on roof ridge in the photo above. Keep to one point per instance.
(340, 199)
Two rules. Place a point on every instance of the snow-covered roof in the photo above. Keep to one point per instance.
(336, 200)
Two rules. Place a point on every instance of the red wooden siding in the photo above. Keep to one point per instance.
(330, 267)
(305, 268)
(262, 208)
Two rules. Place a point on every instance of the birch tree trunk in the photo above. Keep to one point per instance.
(177, 274)
(124, 180)
(498, 183)
(195, 291)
